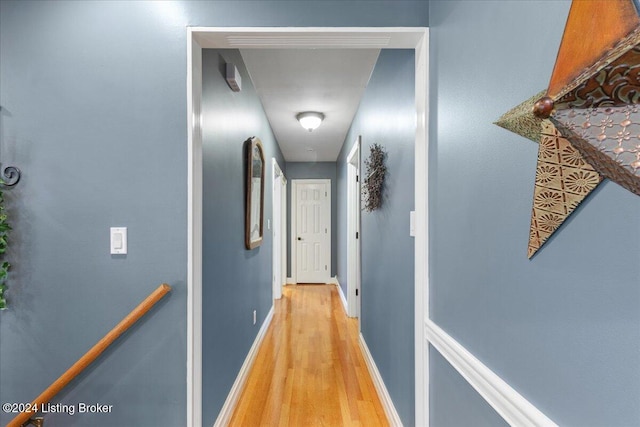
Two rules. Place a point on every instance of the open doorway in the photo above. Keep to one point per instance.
(228, 37)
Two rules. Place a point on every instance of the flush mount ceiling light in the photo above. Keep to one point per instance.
(310, 120)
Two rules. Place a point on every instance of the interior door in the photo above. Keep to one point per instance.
(313, 231)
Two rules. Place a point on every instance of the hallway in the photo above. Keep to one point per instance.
(309, 370)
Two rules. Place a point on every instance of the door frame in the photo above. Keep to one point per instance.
(353, 231)
(294, 224)
(279, 219)
(416, 38)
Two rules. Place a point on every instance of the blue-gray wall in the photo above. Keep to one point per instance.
(235, 281)
(313, 170)
(564, 327)
(94, 112)
(456, 403)
(93, 101)
(386, 116)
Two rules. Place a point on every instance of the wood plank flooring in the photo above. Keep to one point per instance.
(309, 370)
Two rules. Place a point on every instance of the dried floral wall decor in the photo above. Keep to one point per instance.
(587, 121)
(374, 180)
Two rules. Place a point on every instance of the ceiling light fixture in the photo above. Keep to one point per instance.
(310, 120)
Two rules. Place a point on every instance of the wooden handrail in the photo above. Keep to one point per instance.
(92, 354)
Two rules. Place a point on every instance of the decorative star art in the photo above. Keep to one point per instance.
(587, 122)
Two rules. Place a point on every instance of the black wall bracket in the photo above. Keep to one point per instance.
(10, 176)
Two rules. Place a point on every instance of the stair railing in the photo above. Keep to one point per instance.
(24, 418)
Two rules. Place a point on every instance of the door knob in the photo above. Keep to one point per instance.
(299, 238)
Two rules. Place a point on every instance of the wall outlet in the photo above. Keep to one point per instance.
(254, 317)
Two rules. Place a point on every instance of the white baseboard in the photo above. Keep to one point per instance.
(383, 394)
(290, 281)
(515, 409)
(232, 399)
(342, 297)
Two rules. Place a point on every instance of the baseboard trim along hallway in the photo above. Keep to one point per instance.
(232, 399)
(383, 393)
(310, 369)
(342, 297)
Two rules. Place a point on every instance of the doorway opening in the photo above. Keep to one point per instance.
(316, 38)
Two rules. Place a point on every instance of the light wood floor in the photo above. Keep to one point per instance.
(309, 370)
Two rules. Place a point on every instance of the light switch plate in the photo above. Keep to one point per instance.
(118, 240)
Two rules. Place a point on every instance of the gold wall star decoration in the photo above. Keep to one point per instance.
(587, 122)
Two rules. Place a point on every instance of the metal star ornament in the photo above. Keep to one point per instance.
(587, 122)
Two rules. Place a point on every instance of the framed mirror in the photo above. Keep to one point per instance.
(254, 206)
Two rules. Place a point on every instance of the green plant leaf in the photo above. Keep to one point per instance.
(4, 268)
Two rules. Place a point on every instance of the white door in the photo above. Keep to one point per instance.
(313, 230)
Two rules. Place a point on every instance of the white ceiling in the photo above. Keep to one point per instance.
(290, 81)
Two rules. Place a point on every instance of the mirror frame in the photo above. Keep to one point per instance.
(252, 145)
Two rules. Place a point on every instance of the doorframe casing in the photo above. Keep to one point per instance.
(279, 181)
(416, 38)
(293, 219)
(353, 230)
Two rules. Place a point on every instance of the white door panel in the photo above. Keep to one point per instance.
(313, 235)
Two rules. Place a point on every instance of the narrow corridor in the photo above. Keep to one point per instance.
(309, 370)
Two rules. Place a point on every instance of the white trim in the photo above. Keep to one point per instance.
(421, 241)
(283, 210)
(353, 228)
(290, 281)
(304, 37)
(292, 222)
(309, 37)
(277, 218)
(342, 297)
(383, 394)
(515, 409)
(232, 399)
(194, 232)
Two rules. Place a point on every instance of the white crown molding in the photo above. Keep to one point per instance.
(383, 393)
(232, 399)
(515, 409)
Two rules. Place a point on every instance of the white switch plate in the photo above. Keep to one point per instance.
(118, 240)
(412, 223)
